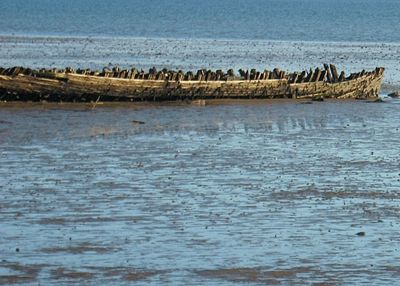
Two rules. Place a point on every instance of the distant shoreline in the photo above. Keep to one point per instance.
(60, 36)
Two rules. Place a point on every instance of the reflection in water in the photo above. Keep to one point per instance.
(221, 194)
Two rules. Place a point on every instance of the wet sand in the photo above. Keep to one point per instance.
(266, 193)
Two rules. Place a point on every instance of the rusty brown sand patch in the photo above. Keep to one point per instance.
(25, 273)
(134, 276)
(85, 219)
(271, 277)
(328, 194)
(71, 274)
(52, 220)
(29, 273)
(126, 273)
(80, 248)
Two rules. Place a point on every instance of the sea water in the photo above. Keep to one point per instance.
(288, 20)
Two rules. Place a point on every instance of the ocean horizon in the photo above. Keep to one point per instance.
(307, 20)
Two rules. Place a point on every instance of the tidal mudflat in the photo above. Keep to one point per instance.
(276, 193)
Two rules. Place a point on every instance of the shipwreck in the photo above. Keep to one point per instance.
(115, 84)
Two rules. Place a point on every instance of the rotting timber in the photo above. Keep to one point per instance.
(84, 85)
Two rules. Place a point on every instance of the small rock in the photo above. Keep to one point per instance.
(361, 233)
(137, 122)
(394, 94)
(317, 98)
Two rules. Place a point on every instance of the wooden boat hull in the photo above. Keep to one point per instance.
(61, 86)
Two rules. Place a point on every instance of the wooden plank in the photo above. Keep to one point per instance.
(309, 76)
(342, 76)
(267, 74)
(328, 73)
(335, 77)
(323, 75)
(302, 77)
(316, 75)
(253, 73)
(276, 73)
(294, 78)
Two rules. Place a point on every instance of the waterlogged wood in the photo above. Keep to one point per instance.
(302, 77)
(316, 75)
(342, 76)
(335, 77)
(293, 77)
(323, 75)
(309, 76)
(328, 73)
(276, 73)
(131, 85)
